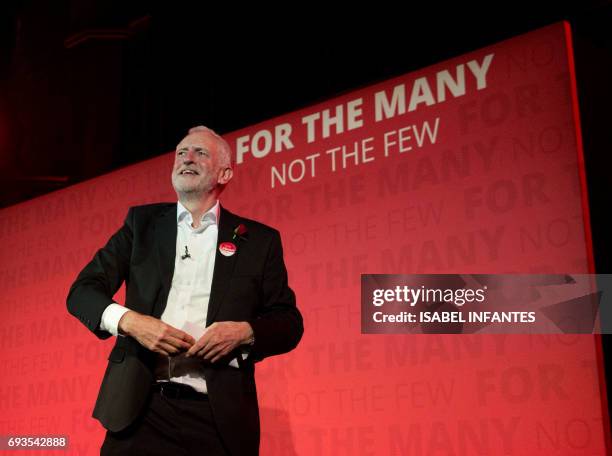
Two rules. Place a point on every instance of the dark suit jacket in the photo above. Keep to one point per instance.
(250, 285)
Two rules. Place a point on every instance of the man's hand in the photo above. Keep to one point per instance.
(221, 338)
(154, 334)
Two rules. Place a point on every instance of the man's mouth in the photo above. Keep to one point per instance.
(189, 172)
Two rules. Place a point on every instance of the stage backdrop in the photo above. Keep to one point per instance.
(472, 165)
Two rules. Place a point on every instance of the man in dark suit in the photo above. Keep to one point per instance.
(206, 297)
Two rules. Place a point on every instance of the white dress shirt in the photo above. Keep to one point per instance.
(187, 306)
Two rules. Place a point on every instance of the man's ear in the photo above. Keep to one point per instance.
(225, 175)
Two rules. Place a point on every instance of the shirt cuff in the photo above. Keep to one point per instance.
(110, 318)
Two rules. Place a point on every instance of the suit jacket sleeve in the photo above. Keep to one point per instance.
(95, 286)
(278, 326)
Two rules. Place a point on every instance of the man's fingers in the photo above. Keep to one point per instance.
(204, 343)
(220, 355)
(203, 352)
(201, 345)
(216, 342)
(216, 358)
(171, 345)
(217, 352)
(165, 349)
(212, 351)
(177, 342)
(181, 335)
(176, 338)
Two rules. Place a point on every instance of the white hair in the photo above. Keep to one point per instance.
(225, 151)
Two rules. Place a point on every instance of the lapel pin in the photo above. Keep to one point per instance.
(240, 232)
(227, 249)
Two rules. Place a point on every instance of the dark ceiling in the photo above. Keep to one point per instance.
(90, 86)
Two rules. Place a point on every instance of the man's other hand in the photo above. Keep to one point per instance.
(220, 339)
(154, 334)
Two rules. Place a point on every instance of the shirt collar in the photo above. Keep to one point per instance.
(182, 213)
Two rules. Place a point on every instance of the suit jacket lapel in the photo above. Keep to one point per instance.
(224, 265)
(165, 238)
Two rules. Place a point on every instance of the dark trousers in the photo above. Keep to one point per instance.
(168, 427)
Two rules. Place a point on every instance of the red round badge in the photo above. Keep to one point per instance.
(227, 248)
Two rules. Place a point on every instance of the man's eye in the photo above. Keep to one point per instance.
(180, 152)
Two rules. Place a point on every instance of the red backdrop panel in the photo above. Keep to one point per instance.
(472, 165)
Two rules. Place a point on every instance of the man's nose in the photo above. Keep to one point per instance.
(188, 157)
